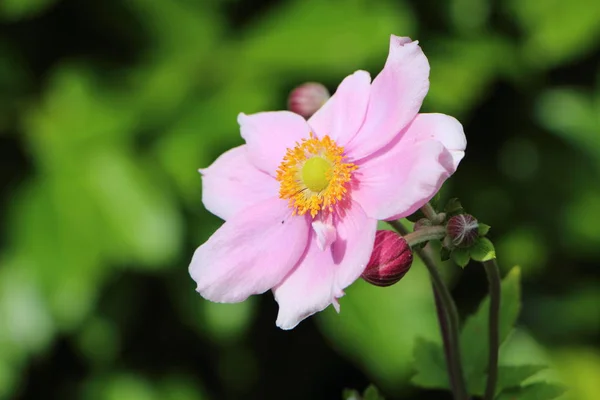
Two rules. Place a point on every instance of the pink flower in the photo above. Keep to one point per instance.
(301, 199)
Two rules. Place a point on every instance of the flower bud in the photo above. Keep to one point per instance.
(307, 98)
(390, 260)
(463, 230)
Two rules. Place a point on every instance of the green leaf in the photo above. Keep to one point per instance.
(350, 394)
(474, 336)
(430, 365)
(483, 229)
(371, 393)
(395, 315)
(461, 257)
(429, 359)
(266, 42)
(511, 376)
(445, 254)
(535, 391)
(14, 10)
(454, 207)
(555, 31)
(483, 250)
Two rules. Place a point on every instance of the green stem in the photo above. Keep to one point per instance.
(442, 316)
(432, 215)
(425, 234)
(447, 312)
(493, 274)
(429, 212)
(454, 364)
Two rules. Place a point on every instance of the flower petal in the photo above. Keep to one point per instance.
(321, 276)
(443, 128)
(397, 183)
(250, 253)
(269, 135)
(232, 183)
(396, 97)
(325, 234)
(343, 114)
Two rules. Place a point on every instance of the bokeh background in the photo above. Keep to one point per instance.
(108, 108)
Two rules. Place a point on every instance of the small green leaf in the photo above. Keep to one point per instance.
(483, 250)
(535, 391)
(461, 257)
(445, 254)
(454, 207)
(350, 394)
(512, 376)
(483, 229)
(430, 365)
(371, 393)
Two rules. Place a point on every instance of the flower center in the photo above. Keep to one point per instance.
(315, 173)
(314, 176)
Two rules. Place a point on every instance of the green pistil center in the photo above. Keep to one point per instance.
(315, 173)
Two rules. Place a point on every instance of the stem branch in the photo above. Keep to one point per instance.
(429, 212)
(425, 234)
(432, 215)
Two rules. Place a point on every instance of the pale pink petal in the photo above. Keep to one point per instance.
(321, 276)
(398, 182)
(443, 128)
(325, 234)
(250, 253)
(343, 114)
(396, 97)
(232, 183)
(352, 251)
(269, 135)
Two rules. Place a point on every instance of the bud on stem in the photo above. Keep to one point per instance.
(463, 230)
(390, 260)
(307, 98)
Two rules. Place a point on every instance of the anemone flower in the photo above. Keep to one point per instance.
(301, 199)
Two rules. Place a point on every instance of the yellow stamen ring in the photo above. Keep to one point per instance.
(313, 175)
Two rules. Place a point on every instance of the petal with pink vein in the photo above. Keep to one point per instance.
(269, 135)
(343, 114)
(251, 253)
(396, 97)
(232, 183)
(397, 183)
(443, 128)
(321, 276)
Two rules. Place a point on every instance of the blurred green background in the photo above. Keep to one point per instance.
(108, 108)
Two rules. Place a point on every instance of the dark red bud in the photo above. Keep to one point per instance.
(463, 230)
(307, 98)
(390, 260)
